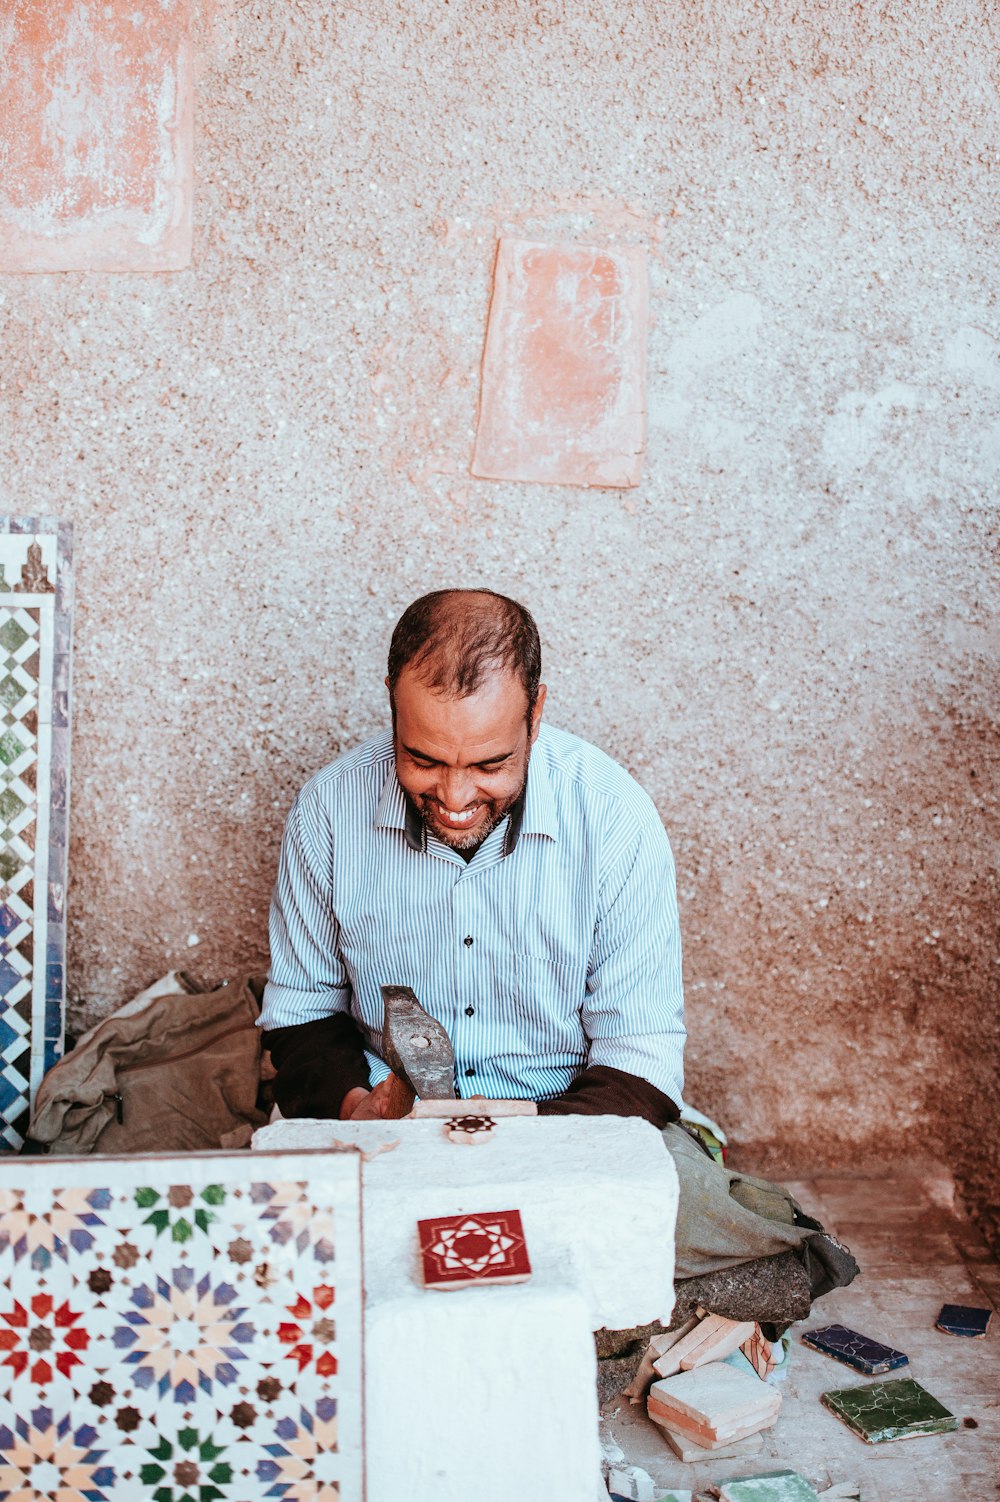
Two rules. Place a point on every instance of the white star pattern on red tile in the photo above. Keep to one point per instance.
(474, 1245)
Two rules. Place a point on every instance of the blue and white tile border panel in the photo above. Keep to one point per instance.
(36, 574)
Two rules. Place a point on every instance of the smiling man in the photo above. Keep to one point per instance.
(522, 884)
(513, 875)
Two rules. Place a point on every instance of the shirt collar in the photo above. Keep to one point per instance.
(533, 813)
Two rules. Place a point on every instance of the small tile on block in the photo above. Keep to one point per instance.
(460, 1251)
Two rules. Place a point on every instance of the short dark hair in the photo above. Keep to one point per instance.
(454, 637)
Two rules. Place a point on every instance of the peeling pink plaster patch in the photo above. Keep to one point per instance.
(563, 395)
(95, 135)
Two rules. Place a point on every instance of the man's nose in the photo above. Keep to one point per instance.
(456, 788)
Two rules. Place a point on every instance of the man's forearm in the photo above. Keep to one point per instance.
(318, 1064)
(603, 1091)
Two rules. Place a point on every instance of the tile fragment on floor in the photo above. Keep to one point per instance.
(884, 1411)
(36, 593)
(916, 1252)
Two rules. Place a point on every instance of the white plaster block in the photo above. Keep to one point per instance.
(597, 1196)
(484, 1393)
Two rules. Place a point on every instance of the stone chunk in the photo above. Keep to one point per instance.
(563, 395)
(632, 1483)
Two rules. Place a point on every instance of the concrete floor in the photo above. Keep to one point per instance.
(916, 1253)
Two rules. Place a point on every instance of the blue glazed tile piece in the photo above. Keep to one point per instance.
(855, 1350)
(964, 1319)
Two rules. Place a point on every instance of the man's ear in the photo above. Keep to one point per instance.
(536, 714)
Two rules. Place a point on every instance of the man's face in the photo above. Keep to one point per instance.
(463, 762)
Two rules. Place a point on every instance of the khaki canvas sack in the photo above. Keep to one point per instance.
(165, 1073)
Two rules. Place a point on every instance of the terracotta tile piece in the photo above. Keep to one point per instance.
(563, 394)
(96, 136)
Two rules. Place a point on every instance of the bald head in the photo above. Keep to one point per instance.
(454, 639)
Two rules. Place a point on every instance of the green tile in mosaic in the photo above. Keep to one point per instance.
(10, 864)
(12, 634)
(11, 692)
(770, 1486)
(10, 806)
(890, 1410)
(10, 748)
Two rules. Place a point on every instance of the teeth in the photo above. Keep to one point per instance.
(458, 818)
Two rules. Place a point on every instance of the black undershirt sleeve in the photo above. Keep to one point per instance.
(317, 1064)
(603, 1091)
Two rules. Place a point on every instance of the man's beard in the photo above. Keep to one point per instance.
(496, 812)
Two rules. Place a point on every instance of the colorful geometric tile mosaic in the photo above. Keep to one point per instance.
(181, 1329)
(36, 590)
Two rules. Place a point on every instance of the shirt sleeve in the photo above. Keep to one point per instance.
(307, 979)
(633, 1010)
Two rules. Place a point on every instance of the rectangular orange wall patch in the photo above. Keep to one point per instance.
(95, 135)
(563, 393)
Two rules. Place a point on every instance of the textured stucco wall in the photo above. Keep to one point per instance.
(786, 631)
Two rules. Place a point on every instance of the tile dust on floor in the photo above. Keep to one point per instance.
(916, 1253)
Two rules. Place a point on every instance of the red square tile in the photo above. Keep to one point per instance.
(458, 1251)
(563, 395)
(96, 136)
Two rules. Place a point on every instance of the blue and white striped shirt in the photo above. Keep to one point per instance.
(556, 947)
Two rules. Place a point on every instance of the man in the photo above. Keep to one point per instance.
(522, 884)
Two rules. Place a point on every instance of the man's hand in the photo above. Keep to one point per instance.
(388, 1101)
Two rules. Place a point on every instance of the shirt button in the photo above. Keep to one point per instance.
(468, 940)
(469, 1011)
(470, 1070)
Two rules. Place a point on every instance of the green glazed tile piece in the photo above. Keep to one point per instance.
(890, 1410)
(12, 635)
(10, 804)
(771, 1486)
(10, 747)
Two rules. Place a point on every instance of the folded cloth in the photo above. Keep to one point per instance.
(165, 1073)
